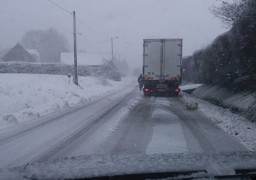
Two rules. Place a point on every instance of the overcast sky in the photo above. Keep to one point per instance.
(99, 20)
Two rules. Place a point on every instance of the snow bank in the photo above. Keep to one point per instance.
(244, 102)
(24, 97)
(189, 86)
(234, 124)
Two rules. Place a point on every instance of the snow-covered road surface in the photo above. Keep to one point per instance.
(121, 123)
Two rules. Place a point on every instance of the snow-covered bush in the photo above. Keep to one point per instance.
(108, 70)
(36, 68)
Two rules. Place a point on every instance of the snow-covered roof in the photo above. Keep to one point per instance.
(82, 58)
(33, 52)
(18, 54)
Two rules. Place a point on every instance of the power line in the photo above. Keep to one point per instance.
(31, 19)
(59, 6)
(81, 22)
(78, 19)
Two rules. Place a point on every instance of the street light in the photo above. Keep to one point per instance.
(112, 46)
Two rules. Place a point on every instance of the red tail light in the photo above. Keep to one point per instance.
(146, 90)
(177, 90)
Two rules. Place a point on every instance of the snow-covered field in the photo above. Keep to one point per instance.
(234, 124)
(25, 97)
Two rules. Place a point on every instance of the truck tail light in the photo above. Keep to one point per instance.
(146, 90)
(177, 90)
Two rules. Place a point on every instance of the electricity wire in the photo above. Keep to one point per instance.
(59, 6)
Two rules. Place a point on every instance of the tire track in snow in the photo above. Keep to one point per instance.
(27, 145)
(209, 136)
(45, 120)
(95, 120)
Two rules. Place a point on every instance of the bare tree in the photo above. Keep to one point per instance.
(49, 44)
(230, 12)
(230, 60)
(31, 39)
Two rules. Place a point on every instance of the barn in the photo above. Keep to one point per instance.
(18, 54)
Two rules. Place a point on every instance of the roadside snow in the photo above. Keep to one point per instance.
(24, 97)
(243, 101)
(235, 125)
(189, 86)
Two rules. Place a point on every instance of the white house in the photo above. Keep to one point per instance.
(82, 58)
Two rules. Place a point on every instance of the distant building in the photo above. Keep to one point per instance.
(34, 53)
(82, 58)
(18, 54)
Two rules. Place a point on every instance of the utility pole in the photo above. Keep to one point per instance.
(112, 49)
(75, 78)
(112, 46)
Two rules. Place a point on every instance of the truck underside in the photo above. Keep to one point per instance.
(164, 88)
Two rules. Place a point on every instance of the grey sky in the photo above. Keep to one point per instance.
(98, 20)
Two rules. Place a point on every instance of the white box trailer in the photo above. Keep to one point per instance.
(162, 66)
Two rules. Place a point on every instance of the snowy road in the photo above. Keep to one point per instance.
(121, 123)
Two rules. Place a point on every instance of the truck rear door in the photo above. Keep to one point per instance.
(151, 59)
(162, 59)
(172, 58)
